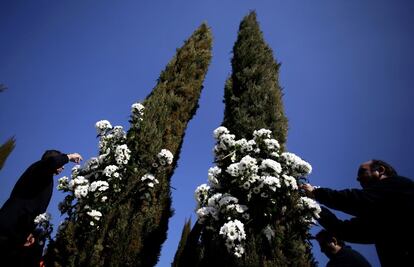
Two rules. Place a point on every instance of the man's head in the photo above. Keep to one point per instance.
(374, 170)
(330, 245)
(52, 153)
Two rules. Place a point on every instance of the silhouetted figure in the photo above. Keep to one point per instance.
(30, 197)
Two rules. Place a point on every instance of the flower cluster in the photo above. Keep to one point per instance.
(94, 185)
(43, 228)
(252, 177)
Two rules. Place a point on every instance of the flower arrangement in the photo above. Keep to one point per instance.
(250, 187)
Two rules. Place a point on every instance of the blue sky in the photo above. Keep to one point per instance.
(346, 72)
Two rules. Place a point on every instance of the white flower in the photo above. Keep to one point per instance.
(137, 108)
(63, 183)
(99, 185)
(104, 198)
(233, 230)
(233, 169)
(102, 126)
(220, 131)
(310, 204)
(148, 176)
(42, 218)
(290, 182)
(262, 134)
(122, 154)
(269, 164)
(81, 191)
(213, 174)
(165, 156)
(201, 193)
(297, 167)
(272, 182)
(271, 144)
(110, 170)
(205, 212)
(95, 214)
(248, 164)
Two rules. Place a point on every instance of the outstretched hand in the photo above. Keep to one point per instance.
(308, 189)
(75, 157)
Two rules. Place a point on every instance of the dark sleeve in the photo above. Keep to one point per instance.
(352, 201)
(354, 230)
(38, 176)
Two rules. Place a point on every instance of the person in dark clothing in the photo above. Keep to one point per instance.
(383, 212)
(339, 254)
(30, 197)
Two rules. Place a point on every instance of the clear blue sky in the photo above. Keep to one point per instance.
(347, 73)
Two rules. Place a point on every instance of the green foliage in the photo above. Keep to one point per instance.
(252, 95)
(133, 230)
(253, 100)
(181, 246)
(6, 149)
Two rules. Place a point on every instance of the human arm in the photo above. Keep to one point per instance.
(354, 230)
(352, 201)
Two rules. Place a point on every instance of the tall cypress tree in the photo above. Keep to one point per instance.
(8, 146)
(253, 100)
(132, 232)
(5, 150)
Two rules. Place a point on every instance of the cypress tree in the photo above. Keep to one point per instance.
(5, 150)
(8, 146)
(253, 100)
(252, 94)
(134, 228)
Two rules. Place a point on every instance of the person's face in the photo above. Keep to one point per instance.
(366, 175)
(328, 248)
(59, 170)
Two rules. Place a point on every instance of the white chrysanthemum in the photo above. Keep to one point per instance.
(205, 212)
(137, 108)
(244, 145)
(81, 191)
(290, 182)
(42, 218)
(75, 170)
(220, 131)
(213, 201)
(165, 157)
(63, 183)
(201, 193)
(237, 207)
(227, 199)
(233, 230)
(99, 186)
(271, 144)
(95, 214)
(269, 164)
(148, 176)
(122, 154)
(110, 170)
(262, 134)
(119, 133)
(248, 164)
(213, 174)
(297, 167)
(102, 126)
(233, 169)
(272, 182)
(311, 205)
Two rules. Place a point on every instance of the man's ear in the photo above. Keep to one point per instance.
(334, 241)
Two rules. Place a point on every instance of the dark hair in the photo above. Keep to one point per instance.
(50, 153)
(326, 237)
(389, 170)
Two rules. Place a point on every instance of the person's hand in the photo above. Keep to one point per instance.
(75, 157)
(308, 189)
(30, 240)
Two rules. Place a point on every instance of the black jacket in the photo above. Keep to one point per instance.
(29, 198)
(347, 257)
(383, 213)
